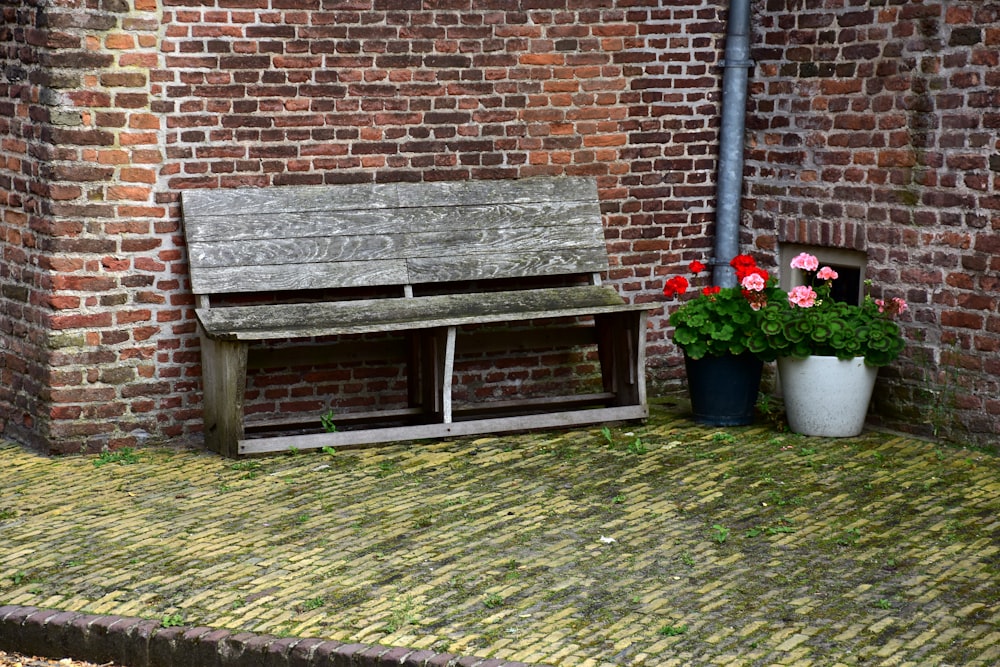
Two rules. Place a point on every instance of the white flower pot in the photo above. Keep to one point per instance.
(826, 396)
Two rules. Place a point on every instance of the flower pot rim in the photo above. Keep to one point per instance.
(829, 356)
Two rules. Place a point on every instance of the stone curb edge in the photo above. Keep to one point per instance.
(141, 642)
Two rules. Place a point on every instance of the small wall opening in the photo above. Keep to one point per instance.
(849, 287)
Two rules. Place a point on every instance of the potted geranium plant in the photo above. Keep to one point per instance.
(717, 330)
(828, 352)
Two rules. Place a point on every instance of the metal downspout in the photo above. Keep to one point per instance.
(736, 69)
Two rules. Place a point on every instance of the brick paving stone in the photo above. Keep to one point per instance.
(770, 548)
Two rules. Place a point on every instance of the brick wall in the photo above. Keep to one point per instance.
(132, 101)
(22, 364)
(874, 126)
(92, 299)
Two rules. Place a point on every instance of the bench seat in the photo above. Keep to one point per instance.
(334, 318)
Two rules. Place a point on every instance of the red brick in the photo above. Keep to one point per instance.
(81, 321)
(962, 320)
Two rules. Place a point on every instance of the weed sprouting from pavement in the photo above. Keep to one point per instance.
(492, 601)
(250, 469)
(123, 456)
(313, 603)
(172, 621)
(637, 447)
(720, 533)
(401, 616)
(671, 630)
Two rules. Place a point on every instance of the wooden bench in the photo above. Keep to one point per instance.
(432, 262)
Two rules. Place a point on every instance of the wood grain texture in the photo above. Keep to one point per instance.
(365, 196)
(374, 235)
(287, 199)
(238, 225)
(223, 367)
(235, 279)
(543, 262)
(299, 320)
(402, 241)
(560, 419)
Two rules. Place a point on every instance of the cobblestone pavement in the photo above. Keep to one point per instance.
(656, 544)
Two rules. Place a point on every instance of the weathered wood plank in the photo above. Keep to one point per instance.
(543, 262)
(234, 279)
(224, 372)
(255, 278)
(364, 246)
(276, 252)
(363, 196)
(303, 422)
(297, 320)
(348, 421)
(568, 237)
(288, 199)
(242, 226)
(455, 429)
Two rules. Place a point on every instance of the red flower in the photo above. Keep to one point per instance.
(675, 286)
(696, 267)
(742, 262)
(709, 291)
(745, 266)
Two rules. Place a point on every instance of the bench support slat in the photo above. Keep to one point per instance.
(455, 429)
(224, 375)
(623, 355)
(447, 374)
(434, 363)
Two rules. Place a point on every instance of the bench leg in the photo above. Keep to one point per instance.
(621, 344)
(431, 366)
(224, 376)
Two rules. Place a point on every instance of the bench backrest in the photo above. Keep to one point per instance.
(342, 236)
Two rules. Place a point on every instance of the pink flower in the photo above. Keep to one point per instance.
(826, 273)
(894, 306)
(805, 261)
(753, 282)
(802, 296)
